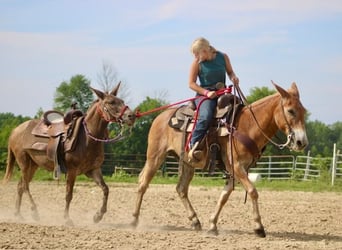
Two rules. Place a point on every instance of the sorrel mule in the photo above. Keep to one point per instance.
(86, 158)
(259, 121)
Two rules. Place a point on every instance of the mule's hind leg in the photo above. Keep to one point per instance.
(227, 190)
(151, 166)
(96, 175)
(27, 173)
(185, 176)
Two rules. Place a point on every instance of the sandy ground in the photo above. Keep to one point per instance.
(292, 220)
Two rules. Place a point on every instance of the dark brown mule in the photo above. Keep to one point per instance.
(87, 157)
(259, 121)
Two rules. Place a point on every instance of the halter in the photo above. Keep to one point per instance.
(118, 119)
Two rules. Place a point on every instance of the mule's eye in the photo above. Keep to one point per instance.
(105, 109)
(292, 112)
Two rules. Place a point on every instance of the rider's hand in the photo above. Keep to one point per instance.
(235, 80)
(211, 94)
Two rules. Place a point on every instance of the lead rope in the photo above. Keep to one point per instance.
(231, 123)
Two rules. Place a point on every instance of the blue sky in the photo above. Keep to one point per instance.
(43, 43)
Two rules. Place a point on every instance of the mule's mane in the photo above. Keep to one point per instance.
(264, 100)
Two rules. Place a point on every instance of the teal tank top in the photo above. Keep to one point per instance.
(213, 71)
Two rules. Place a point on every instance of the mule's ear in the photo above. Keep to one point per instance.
(281, 91)
(294, 90)
(116, 89)
(99, 93)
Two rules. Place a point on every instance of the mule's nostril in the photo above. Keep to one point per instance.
(301, 144)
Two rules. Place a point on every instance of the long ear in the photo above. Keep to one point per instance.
(281, 91)
(115, 90)
(294, 90)
(99, 93)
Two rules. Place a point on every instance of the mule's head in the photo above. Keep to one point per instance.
(112, 108)
(290, 117)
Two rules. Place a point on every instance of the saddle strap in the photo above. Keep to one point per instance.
(248, 143)
(181, 158)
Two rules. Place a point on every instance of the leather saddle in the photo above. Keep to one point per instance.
(225, 109)
(228, 109)
(57, 134)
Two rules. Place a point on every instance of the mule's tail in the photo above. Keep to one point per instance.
(10, 166)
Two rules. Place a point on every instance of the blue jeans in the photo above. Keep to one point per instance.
(205, 115)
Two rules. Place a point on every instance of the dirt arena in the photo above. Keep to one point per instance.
(292, 220)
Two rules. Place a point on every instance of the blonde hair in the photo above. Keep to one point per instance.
(200, 44)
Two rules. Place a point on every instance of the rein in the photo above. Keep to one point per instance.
(289, 136)
(138, 114)
(218, 93)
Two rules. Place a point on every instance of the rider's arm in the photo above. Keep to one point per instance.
(230, 70)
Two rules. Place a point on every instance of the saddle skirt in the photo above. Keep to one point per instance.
(57, 134)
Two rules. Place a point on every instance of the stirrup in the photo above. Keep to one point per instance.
(194, 154)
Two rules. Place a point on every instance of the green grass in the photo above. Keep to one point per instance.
(321, 185)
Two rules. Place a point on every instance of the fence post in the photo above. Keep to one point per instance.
(307, 167)
(269, 167)
(333, 170)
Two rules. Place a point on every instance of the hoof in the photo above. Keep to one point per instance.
(19, 216)
(35, 216)
(134, 223)
(97, 217)
(196, 225)
(260, 232)
(69, 223)
(213, 232)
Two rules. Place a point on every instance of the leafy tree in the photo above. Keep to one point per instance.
(39, 113)
(8, 122)
(76, 90)
(257, 93)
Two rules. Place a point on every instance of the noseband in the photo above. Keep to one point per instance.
(291, 133)
(115, 119)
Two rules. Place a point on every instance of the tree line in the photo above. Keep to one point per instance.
(77, 90)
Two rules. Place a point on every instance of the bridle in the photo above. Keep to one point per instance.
(290, 134)
(115, 119)
(118, 120)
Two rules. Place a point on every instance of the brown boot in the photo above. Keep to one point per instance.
(195, 154)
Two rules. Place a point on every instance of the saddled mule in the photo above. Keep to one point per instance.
(86, 157)
(259, 121)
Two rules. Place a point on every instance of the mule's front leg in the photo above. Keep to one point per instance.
(70, 182)
(96, 175)
(253, 194)
(227, 190)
